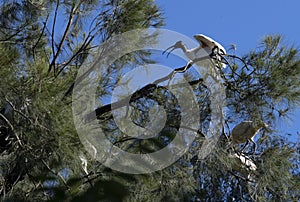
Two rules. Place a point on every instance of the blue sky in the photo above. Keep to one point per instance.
(243, 23)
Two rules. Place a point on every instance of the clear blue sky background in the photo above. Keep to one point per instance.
(243, 23)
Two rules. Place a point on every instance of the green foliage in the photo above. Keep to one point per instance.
(41, 156)
(39, 144)
(268, 86)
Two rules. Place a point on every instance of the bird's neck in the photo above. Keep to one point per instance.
(183, 48)
(257, 126)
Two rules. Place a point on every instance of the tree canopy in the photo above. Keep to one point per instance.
(42, 46)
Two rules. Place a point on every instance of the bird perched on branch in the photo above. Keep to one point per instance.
(244, 165)
(244, 161)
(245, 131)
(208, 48)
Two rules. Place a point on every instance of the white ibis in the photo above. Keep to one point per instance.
(244, 161)
(243, 165)
(208, 47)
(245, 131)
(206, 41)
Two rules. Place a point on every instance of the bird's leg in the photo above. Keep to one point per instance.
(254, 145)
(245, 146)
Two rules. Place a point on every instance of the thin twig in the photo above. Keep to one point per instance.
(40, 37)
(60, 45)
(83, 47)
(18, 111)
(11, 36)
(56, 174)
(124, 140)
(229, 65)
(53, 28)
(243, 61)
(12, 128)
(240, 177)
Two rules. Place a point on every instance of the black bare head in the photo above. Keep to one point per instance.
(178, 44)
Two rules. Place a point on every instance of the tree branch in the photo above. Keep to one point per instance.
(53, 29)
(143, 91)
(12, 128)
(83, 47)
(71, 17)
(18, 111)
(56, 174)
(40, 37)
(122, 103)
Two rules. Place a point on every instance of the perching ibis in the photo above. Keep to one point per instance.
(246, 161)
(208, 47)
(245, 131)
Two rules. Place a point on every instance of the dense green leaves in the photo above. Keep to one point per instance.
(44, 43)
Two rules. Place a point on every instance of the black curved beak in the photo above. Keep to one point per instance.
(172, 48)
